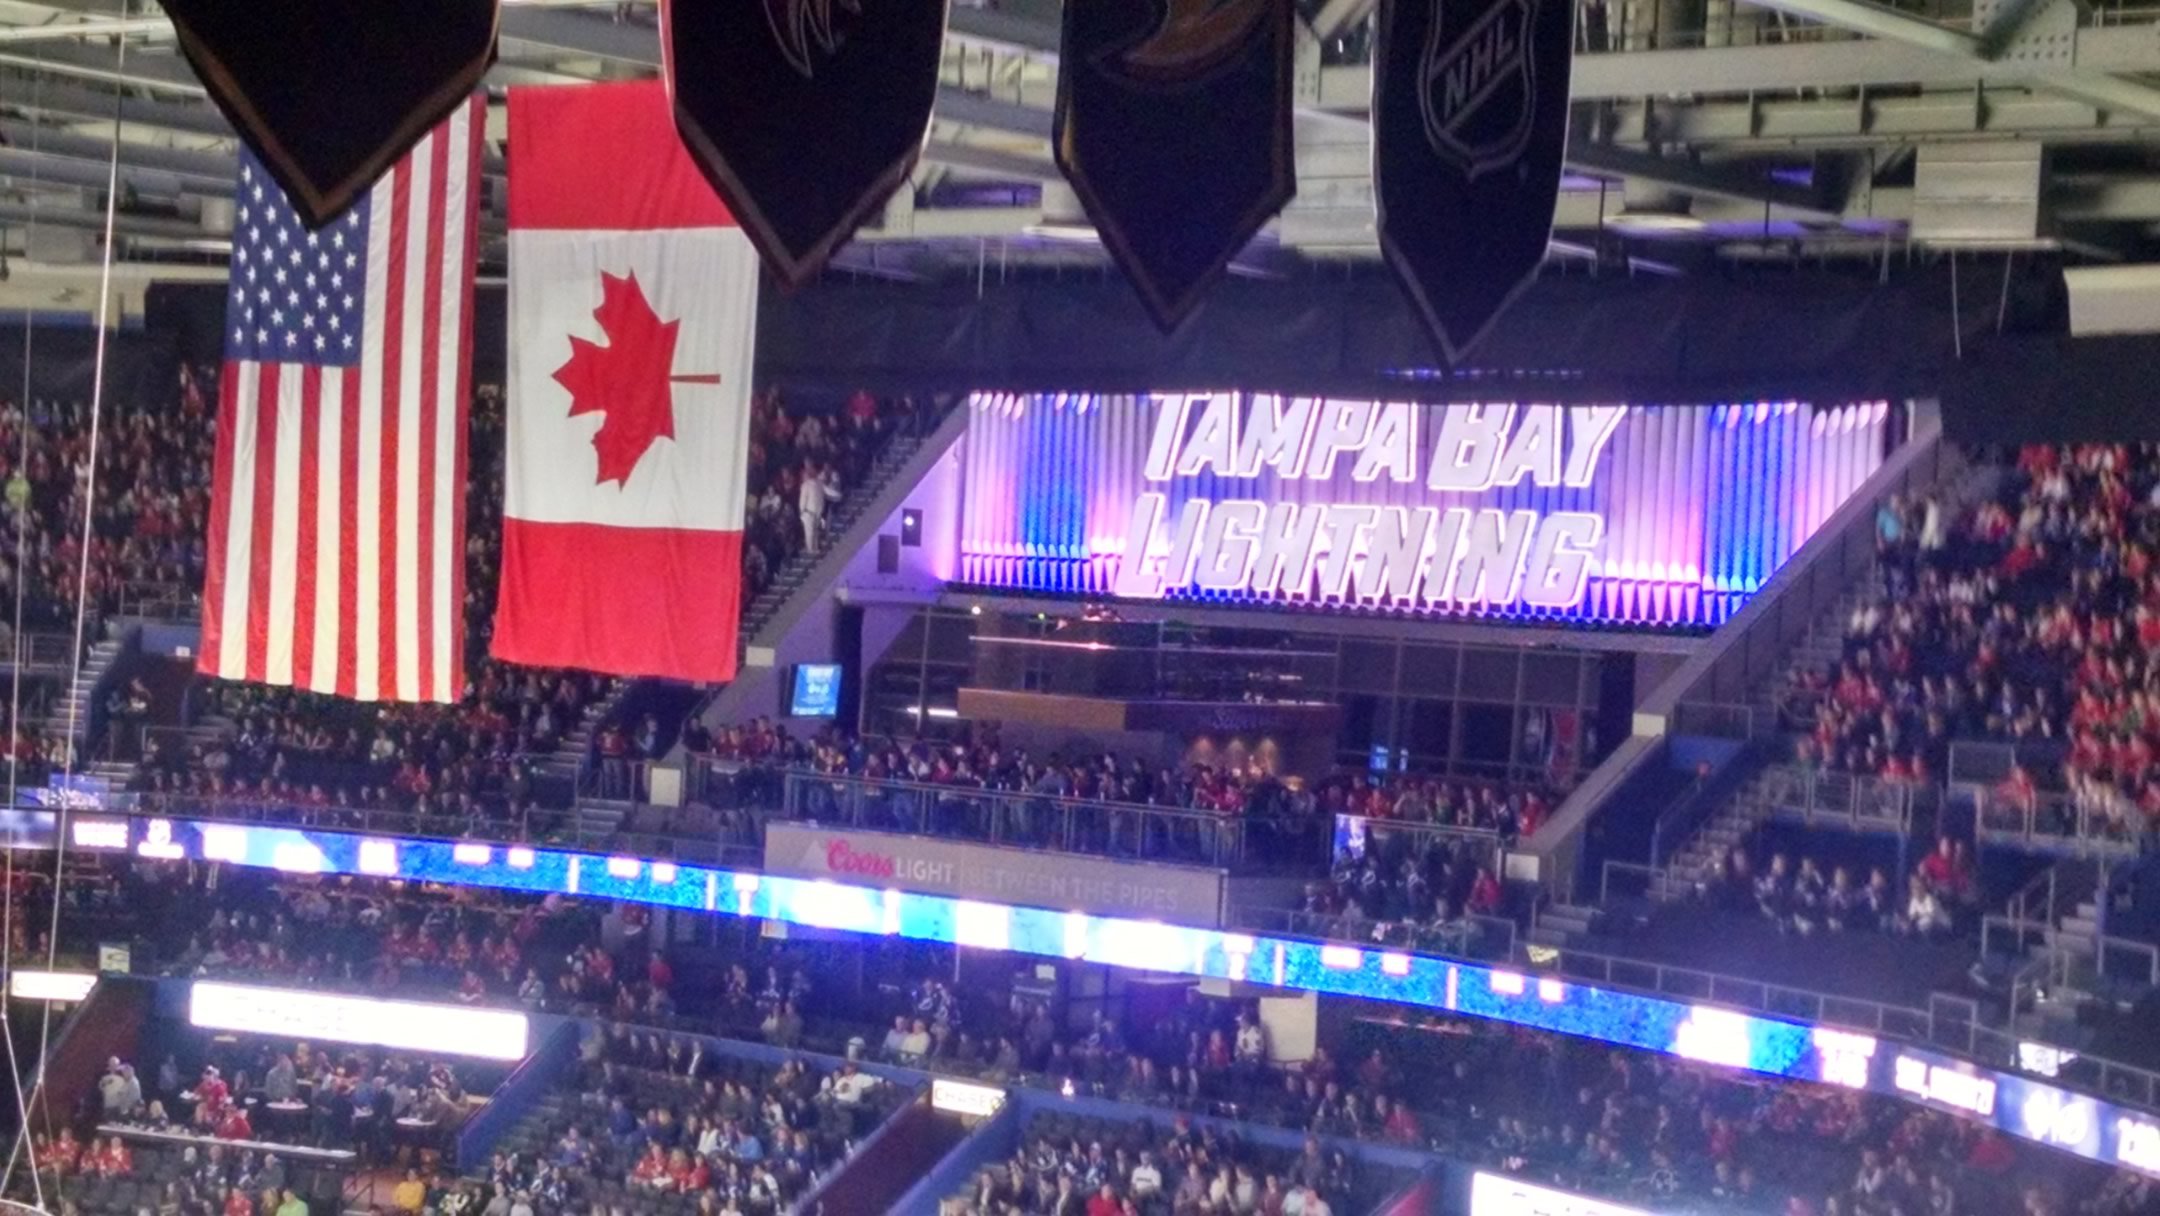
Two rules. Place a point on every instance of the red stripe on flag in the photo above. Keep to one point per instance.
(213, 600)
(260, 523)
(393, 366)
(430, 382)
(605, 157)
(348, 508)
(638, 601)
(304, 553)
(464, 380)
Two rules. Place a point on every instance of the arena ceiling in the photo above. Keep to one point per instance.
(1705, 131)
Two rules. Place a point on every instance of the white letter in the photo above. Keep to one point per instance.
(1590, 428)
(1395, 552)
(1276, 429)
(1446, 548)
(1284, 561)
(1178, 566)
(1392, 446)
(1233, 527)
(1214, 440)
(1163, 444)
(1341, 524)
(1135, 577)
(1559, 567)
(1343, 427)
(1534, 449)
(1493, 556)
(1470, 440)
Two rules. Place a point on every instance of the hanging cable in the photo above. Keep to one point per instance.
(24, 1146)
(82, 580)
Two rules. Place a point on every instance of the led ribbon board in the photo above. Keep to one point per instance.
(2035, 1110)
(491, 1034)
(1654, 516)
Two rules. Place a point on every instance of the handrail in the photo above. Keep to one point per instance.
(1854, 800)
(1466, 937)
(1653, 876)
(2054, 818)
(1064, 824)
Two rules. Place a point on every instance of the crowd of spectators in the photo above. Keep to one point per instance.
(1671, 1134)
(2027, 618)
(146, 535)
(804, 457)
(744, 766)
(695, 1131)
(292, 1093)
(1941, 896)
(1096, 1167)
(1407, 889)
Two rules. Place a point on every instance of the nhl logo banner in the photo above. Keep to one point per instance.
(805, 115)
(329, 93)
(1469, 131)
(1173, 126)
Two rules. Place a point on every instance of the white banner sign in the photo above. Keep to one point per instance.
(1184, 895)
(494, 1034)
(1498, 1195)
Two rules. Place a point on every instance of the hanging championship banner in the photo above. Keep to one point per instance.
(1173, 126)
(804, 114)
(1470, 113)
(329, 93)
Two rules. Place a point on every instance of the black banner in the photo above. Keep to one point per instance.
(1173, 126)
(330, 93)
(1470, 113)
(804, 114)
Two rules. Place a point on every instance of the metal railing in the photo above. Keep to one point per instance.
(1822, 798)
(158, 601)
(1390, 841)
(1720, 720)
(1637, 881)
(1471, 935)
(1066, 825)
(2057, 821)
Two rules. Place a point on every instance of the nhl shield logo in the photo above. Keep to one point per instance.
(1478, 87)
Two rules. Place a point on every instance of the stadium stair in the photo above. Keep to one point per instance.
(72, 710)
(893, 475)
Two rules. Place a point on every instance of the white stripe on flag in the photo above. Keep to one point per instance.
(411, 355)
(367, 522)
(239, 530)
(447, 389)
(329, 531)
(284, 522)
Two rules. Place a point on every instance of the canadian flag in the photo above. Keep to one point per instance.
(633, 323)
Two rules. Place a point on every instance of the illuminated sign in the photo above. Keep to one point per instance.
(1438, 555)
(60, 986)
(1715, 1036)
(959, 1098)
(1499, 1195)
(2044, 1059)
(1643, 515)
(2088, 1126)
(1847, 1059)
(493, 1034)
(99, 834)
(1946, 1085)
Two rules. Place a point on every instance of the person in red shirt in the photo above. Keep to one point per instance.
(212, 1096)
(234, 1126)
(1104, 1202)
(1485, 893)
(237, 1202)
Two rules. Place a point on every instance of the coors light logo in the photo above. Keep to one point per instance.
(1479, 87)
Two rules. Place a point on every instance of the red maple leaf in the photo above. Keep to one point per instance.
(630, 380)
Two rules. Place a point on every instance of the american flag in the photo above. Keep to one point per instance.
(337, 521)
